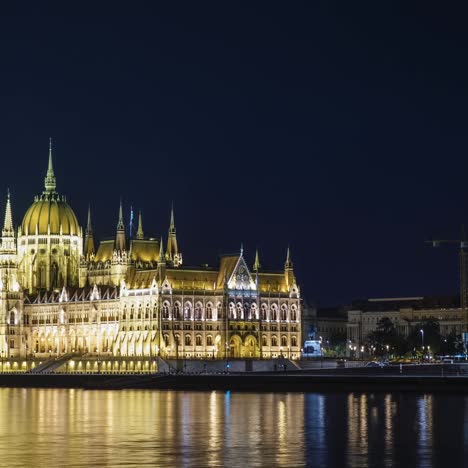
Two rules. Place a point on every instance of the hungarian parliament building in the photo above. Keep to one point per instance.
(133, 296)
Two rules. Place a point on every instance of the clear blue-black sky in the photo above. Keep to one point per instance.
(340, 129)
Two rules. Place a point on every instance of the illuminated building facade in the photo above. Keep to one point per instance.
(134, 296)
(406, 313)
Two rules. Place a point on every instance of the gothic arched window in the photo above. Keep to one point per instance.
(166, 310)
(283, 312)
(209, 311)
(177, 311)
(198, 311)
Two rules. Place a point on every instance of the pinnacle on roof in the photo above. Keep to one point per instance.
(139, 234)
(161, 252)
(288, 263)
(8, 223)
(120, 235)
(172, 252)
(50, 181)
(89, 241)
(120, 223)
(172, 224)
(256, 265)
(89, 227)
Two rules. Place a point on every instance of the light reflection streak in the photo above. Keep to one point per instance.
(425, 428)
(388, 437)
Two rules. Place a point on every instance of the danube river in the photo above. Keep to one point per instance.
(41, 427)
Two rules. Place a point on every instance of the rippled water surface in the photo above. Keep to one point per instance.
(163, 428)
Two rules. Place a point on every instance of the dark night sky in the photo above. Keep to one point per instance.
(339, 130)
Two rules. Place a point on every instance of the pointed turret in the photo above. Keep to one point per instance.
(288, 269)
(8, 223)
(8, 258)
(140, 234)
(120, 235)
(50, 182)
(288, 264)
(8, 232)
(161, 252)
(89, 240)
(173, 255)
(256, 265)
(161, 262)
(120, 223)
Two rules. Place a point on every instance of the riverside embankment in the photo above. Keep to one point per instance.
(451, 378)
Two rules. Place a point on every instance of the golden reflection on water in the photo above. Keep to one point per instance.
(41, 427)
(389, 411)
(357, 426)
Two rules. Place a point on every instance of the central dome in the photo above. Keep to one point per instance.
(50, 210)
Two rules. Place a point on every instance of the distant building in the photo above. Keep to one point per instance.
(331, 323)
(364, 315)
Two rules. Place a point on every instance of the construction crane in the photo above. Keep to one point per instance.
(463, 245)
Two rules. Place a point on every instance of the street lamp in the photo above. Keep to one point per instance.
(422, 337)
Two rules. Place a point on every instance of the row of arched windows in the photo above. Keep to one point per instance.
(189, 313)
(188, 340)
(238, 311)
(139, 314)
(283, 341)
(249, 312)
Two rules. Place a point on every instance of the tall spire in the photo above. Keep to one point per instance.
(89, 227)
(139, 234)
(172, 224)
(8, 245)
(50, 182)
(288, 270)
(256, 265)
(89, 241)
(120, 223)
(161, 252)
(8, 224)
(120, 236)
(288, 264)
(173, 255)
